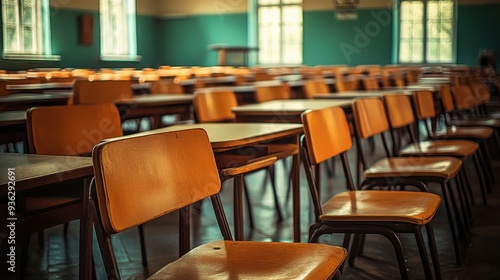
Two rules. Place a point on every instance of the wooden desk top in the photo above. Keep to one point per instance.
(38, 170)
(12, 118)
(291, 106)
(225, 136)
(23, 101)
(40, 86)
(156, 100)
(31, 97)
(359, 94)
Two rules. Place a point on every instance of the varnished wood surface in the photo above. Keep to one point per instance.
(156, 100)
(38, 170)
(10, 118)
(39, 86)
(24, 101)
(288, 107)
(225, 136)
(358, 94)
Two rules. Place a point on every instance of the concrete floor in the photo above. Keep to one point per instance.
(58, 259)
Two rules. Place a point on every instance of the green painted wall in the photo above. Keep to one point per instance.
(64, 31)
(478, 28)
(365, 40)
(185, 40)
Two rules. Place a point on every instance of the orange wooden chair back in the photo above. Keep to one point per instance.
(370, 83)
(176, 170)
(312, 87)
(272, 92)
(71, 130)
(102, 91)
(327, 133)
(369, 116)
(166, 87)
(214, 106)
(399, 110)
(347, 84)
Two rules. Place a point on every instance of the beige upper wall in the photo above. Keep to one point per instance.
(147, 7)
(188, 7)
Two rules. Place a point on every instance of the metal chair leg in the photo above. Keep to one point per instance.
(454, 234)
(423, 253)
(431, 241)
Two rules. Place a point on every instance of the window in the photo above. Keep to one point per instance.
(279, 31)
(426, 31)
(26, 29)
(118, 33)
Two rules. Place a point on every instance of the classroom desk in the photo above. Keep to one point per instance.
(38, 87)
(235, 136)
(283, 111)
(245, 93)
(24, 101)
(349, 95)
(12, 127)
(155, 106)
(36, 171)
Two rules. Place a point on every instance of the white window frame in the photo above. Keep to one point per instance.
(282, 59)
(40, 26)
(425, 60)
(118, 30)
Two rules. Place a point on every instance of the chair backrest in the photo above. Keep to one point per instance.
(71, 130)
(327, 133)
(370, 83)
(464, 99)
(214, 106)
(398, 80)
(272, 92)
(166, 87)
(346, 84)
(424, 104)
(369, 116)
(140, 178)
(399, 110)
(446, 98)
(102, 91)
(312, 87)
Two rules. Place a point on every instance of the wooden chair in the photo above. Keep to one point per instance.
(72, 131)
(312, 87)
(327, 134)
(424, 104)
(465, 103)
(265, 93)
(370, 119)
(185, 172)
(215, 106)
(370, 83)
(346, 84)
(166, 87)
(97, 92)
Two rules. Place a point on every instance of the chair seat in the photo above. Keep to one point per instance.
(255, 260)
(477, 122)
(464, 133)
(441, 167)
(381, 206)
(459, 148)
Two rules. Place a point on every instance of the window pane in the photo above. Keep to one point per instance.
(438, 24)
(117, 27)
(280, 31)
(268, 2)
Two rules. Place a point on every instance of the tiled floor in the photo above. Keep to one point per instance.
(58, 259)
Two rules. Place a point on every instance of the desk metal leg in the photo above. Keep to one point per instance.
(86, 235)
(296, 194)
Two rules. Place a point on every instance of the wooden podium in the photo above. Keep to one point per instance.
(232, 55)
